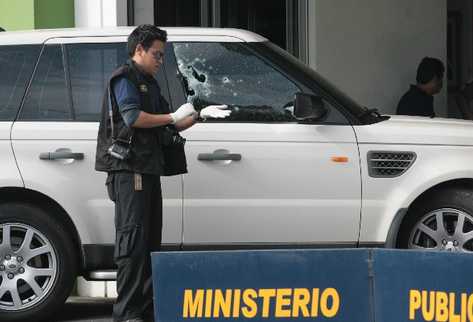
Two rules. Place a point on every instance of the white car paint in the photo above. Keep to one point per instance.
(9, 174)
(285, 190)
(444, 150)
(75, 185)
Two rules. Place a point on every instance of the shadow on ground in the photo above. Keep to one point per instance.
(79, 309)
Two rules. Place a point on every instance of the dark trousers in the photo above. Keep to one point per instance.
(138, 224)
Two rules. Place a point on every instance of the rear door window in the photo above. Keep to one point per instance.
(16, 66)
(70, 80)
(48, 97)
(90, 67)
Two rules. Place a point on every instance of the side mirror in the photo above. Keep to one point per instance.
(309, 107)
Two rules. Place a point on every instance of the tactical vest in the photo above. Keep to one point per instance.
(148, 155)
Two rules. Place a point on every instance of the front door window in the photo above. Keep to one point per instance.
(229, 73)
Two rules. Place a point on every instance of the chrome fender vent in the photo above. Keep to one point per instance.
(389, 164)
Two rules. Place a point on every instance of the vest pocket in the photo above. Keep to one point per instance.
(126, 241)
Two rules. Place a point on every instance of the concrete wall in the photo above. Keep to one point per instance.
(371, 48)
(17, 15)
(122, 13)
(144, 12)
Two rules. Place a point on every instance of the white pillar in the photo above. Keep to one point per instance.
(99, 13)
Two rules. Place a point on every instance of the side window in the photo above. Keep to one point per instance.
(16, 66)
(229, 73)
(90, 67)
(48, 97)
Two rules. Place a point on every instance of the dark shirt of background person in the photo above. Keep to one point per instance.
(1, 29)
(419, 99)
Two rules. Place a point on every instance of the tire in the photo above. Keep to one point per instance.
(442, 221)
(50, 249)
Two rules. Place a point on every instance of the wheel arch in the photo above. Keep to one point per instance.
(403, 213)
(50, 206)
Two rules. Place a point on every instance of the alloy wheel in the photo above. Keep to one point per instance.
(444, 229)
(28, 266)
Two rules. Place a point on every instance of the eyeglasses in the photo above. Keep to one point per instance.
(158, 55)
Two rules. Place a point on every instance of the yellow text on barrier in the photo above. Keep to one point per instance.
(256, 303)
(440, 306)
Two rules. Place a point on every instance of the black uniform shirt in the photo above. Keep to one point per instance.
(417, 103)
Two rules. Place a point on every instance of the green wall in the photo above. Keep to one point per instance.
(17, 14)
(54, 14)
(36, 14)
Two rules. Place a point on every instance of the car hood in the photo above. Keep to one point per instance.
(417, 130)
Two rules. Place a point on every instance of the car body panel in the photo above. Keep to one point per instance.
(444, 152)
(10, 175)
(75, 185)
(417, 130)
(285, 189)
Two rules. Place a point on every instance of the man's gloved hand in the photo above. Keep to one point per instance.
(182, 112)
(215, 111)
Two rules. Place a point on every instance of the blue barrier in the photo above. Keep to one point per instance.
(323, 285)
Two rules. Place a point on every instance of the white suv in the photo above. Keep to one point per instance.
(260, 179)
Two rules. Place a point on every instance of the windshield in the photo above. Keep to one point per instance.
(314, 78)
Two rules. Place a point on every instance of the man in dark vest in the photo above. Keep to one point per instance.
(138, 141)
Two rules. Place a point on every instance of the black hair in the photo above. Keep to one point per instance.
(1, 29)
(429, 68)
(145, 35)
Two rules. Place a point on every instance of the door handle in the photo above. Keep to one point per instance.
(60, 155)
(216, 156)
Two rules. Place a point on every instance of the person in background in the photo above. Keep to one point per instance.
(419, 99)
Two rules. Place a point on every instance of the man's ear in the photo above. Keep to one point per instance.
(139, 49)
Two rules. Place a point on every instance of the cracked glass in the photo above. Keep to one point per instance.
(231, 74)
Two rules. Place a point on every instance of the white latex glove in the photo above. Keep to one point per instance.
(215, 112)
(182, 112)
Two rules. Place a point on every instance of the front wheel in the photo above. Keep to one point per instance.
(441, 221)
(37, 263)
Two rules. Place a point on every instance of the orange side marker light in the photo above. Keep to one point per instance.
(339, 159)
